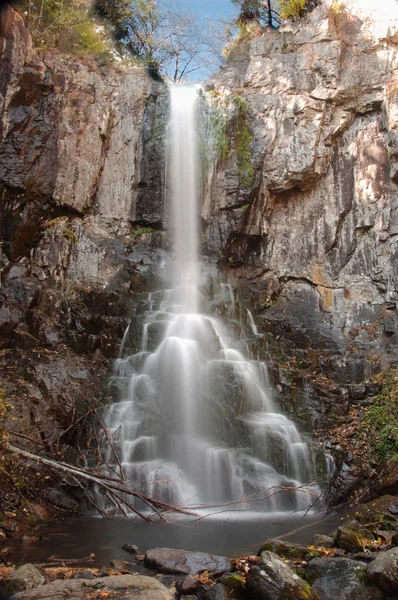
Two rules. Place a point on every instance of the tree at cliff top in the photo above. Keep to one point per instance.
(68, 25)
(269, 13)
(166, 37)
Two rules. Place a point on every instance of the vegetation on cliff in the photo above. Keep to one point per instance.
(67, 25)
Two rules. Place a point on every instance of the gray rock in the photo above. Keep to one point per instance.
(384, 570)
(273, 579)
(124, 587)
(169, 560)
(131, 548)
(26, 577)
(187, 586)
(341, 579)
(325, 541)
(83, 575)
(393, 509)
(118, 565)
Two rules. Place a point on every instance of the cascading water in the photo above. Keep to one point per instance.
(195, 424)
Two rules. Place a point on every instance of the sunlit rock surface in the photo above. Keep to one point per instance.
(315, 235)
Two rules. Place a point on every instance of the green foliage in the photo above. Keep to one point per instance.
(68, 25)
(140, 231)
(256, 12)
(380, 422)
(243, 146)
(289, 9)
(220, 132)
(70, 235)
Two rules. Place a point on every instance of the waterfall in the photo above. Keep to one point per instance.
(195, 423)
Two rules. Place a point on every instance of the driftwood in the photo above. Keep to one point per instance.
(113, 489)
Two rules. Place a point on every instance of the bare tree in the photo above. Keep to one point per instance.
(171, 40)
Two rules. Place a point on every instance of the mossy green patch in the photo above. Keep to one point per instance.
(380, 423)
(140, 231)
(243, 143)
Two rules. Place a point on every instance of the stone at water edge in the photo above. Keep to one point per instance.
(325, 541)
(383, 571)
(122, 587)
(131, 548)
(273, 579)
(341, 579)
(26, 577)
(183, 562)
(290, 550)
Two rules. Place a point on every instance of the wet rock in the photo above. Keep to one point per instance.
(187, 586)
(219, 592)
(375, 510)
(393, 509)
(61, 499)
(24, 578)
(325, 541)
(289, 550)
(83, 575)
(118, 565)
(169, 560)
(341, 579)
(131, 548)
(124, 587)
(208, 592)
(352, 536)
(273, 579)
(365, 557)
(384, 571)
(234, 583)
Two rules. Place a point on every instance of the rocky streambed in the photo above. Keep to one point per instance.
(358, 561)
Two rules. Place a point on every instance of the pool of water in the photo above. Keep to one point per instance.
(230, 534)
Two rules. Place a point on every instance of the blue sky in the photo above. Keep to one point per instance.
(209, 8)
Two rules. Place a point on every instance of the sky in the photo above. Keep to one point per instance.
(209, 8)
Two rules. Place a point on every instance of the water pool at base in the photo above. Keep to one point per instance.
(229, 534)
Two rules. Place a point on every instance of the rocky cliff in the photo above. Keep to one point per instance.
(301, 209)
(315, 233)
(81, 201)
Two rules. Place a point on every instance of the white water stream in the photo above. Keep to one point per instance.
(195, 423)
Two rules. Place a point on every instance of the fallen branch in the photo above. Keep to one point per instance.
(110, 488)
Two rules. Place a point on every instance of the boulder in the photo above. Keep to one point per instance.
(324, 541)
(187, 585)
(289, 550)
(234, 583)
(341, 579)
(275, 580)
(352, 536)
(170, 560)
(122, 587)
(384, 571)
(24, 578)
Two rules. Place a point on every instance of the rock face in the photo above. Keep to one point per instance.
(79, 173)
(124, 587)
(314, 235)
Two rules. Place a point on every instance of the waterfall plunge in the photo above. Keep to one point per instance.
(195, 424)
